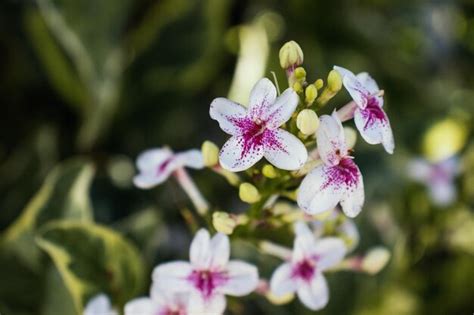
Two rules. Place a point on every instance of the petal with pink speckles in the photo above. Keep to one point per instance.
(353, 197)
(368, 82)
(374, 126)
(281, 110)
(155, 166)
(240, 153)
(358, 92)
(227, 113)
(242, 278)
(330, 139)
(262, 97)
(282, 282)
(284, 150)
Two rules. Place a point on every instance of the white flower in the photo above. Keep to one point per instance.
(338, 179)
(303, 274)
(369, 116)
(159, 302)
(255, 131)
(99, 305)
(437, 177)
(156, 165)
(210, 275)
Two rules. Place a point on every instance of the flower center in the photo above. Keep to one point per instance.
(207, 281)
(345, 173)
(163, 165)
(305, 269)
(373, 112)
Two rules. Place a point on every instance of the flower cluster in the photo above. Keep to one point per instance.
(279, 148)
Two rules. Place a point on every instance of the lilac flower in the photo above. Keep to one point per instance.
(209, 276)
(303, 274)
(99, 305)
(437, 177)
(160, 302)
(338, 179)
(255, 131)
(369, 116)
(156, 165)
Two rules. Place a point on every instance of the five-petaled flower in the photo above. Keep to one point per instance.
(338, 179)
(255, 131)
(209, 276)
(303, 273)
(160, 302)
(156, 165)
(369, 116)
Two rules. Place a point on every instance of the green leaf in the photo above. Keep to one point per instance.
(56, 299)
(63, 195)
(91, 259)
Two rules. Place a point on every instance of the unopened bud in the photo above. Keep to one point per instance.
(249, 193)
(310, 94)
(291, 55)
(307, 121)
(210, 153)
(334, 81)
(297, 87)
(351, 137)
(300, 74)
(375, 260)
(319, 83)
(223, 222)
(269, 171)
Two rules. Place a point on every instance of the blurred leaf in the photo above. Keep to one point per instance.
(93, 259)
(56, 299)
(64, 194)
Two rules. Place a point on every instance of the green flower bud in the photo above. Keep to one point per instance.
(249, 193)
(334, 81)
(310, 93)
(319, 84)
(291, 55)
(223, 222)
(210, 153)
(269, 171)
(375, 260)
(300, 74)
(297, 87)
(307, 122)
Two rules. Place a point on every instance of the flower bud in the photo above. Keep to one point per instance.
(290, 55)
(297, 87)
(375, 260)
(249, 193)
(223, 222)
(269, 171)
(334, 81)
(351, 137)
(319, 84)
(210, 153)
(300, 74)
(307, 121)
(310, 93)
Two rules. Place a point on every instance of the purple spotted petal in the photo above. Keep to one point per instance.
(356, 89)
(262, 97)
(280, 112)
(227, 113)
(374, 126)
(331, 140)
(284, 150)
(240, 152)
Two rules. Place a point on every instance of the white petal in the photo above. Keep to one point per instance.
(419, 170)
(99, 305)
(282, 282)
(191, 158)
(262, 96)
(284, 150)
(330, 250)
(280, 111)
(242, 278)
(330, 139)
(374, 126)
(355, 88)
(173, 276)
(303, 247)
(236, 155)
(368, 82)
(200, 250)
(316, 194)
(442, 192)
(214, 305)
(349, 229)
(150, 159)
(227, 114)
(141, 306)
(315, 295)
(149, 180)
(220, 251)
(302, 229)
(353, 196)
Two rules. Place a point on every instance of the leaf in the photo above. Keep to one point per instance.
(92, 259)
(56, 299)
(64, 194)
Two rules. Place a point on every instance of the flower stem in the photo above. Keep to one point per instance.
(190, 188)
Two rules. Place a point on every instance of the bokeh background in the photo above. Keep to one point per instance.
(86, 85)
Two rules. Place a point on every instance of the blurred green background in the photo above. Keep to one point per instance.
(86, 85)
